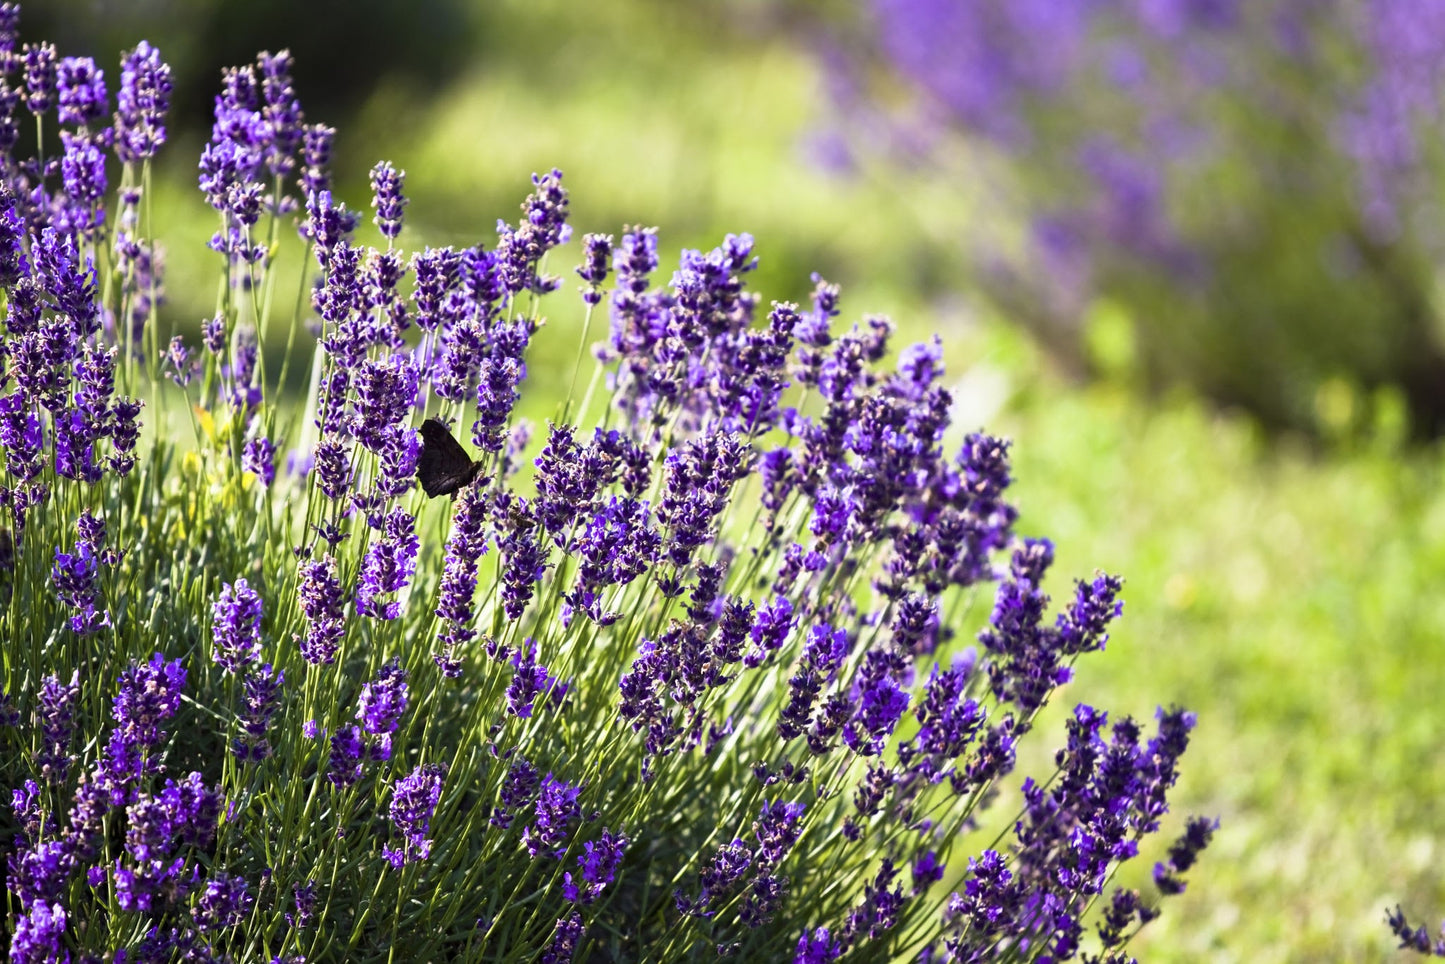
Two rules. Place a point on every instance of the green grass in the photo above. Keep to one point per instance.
(1294, 601)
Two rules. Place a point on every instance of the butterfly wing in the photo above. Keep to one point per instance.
(443, 466)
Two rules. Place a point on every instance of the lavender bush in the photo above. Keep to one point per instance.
(676, 681)
(1254, 187)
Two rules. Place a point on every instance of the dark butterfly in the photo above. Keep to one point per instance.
(443, 466)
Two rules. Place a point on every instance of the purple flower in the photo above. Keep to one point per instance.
(316, 140)
(915, 623)
(993, 758)
(57, 724)
(458, 357)
(386, 392)
(596, 255)
(719, 879)
(124, 434)
(991, 899)
(519, 788)
(400, 451)
(436, 271)
(880, 908)
(22, 436)
(818, 949)
(281, 111)
(90, 532)
(383, 700)
(236, 627)
(599, 860)
(142, 103)
(554, 815)
(329, 226)
(40, 77)
(926, 871)
(39, 871)
(1028, 662)
(224, 902)
(259, 457)
(213, 334)
(565, 937)
(242, 373)
(9, 36)
(881, 704)
(770, 630)
(323, 603)
(10, 99)
(154, 875)
(948, 721)
(1159, 767)
(543, 227)
(13, 263)
(459, 575)
(1096, 604)
(1182, 854)
(1417, 939)
(388, 566)
(764, 896)
(80, 86)
(303, 899)
(634, 260)
(524, 560)
(75, 448)
(82, 172)
(709, 300)
(75, 578)
(388, 201)
(616, 546)
(233, 165)
(39, 935)
(180, 366)
(822, 655)
(70, 280)
(499, 375)
(831, 513)
(413, 801)
(777, 829)
(530, 679)
(1118, 919)
(333, 467)
(261, 697)
(347, 753)
(150, 693)
(700, 477)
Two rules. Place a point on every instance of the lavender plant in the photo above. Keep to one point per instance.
(1253, 186)
(681, 684)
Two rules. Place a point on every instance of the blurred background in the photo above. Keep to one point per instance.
(1186, 253)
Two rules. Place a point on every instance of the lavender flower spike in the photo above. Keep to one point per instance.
(236, 627)
(388, 200)
(413, 802)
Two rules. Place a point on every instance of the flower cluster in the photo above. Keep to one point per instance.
(414, 799)
(164, 827)
(705, 693)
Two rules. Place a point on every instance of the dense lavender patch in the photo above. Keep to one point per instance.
(693, 685)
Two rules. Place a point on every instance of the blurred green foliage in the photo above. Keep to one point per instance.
(1292, 601)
